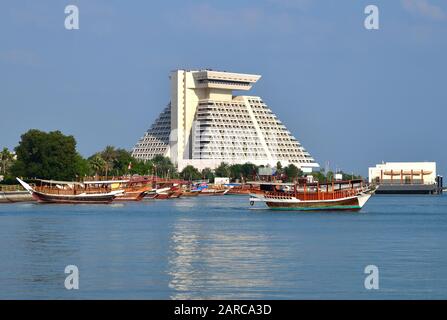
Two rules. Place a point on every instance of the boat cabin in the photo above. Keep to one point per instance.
(314, 191)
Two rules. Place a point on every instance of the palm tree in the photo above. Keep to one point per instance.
(190, 173)
(109, 156)
(208, 174)
(164, 166)
(6, 158)
(98, 164)
(223, 170)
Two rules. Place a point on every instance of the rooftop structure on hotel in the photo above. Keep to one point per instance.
(205, 124)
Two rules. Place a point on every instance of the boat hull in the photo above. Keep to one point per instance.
(165, 195)
(213, 193)
(175, 195)
(345, 204)
(162, 196)
(131, 196)
(190, 194)
(67, 199)
(88, 198)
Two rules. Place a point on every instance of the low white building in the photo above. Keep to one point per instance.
(403, 173)
(221, 180)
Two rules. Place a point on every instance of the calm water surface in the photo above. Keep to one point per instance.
(216, 247)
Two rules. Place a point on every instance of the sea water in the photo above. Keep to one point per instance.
(221, 248)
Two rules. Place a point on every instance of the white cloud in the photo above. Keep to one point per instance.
(424, 8)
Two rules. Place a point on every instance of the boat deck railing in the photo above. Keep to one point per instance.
(305, 195)
(76, 191)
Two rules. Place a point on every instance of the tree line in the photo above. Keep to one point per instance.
(53, 155)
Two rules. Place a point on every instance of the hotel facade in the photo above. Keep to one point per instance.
(206, 124)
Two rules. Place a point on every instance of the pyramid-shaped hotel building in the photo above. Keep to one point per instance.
(205, 124)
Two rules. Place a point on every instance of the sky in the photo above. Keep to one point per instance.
(353, 97)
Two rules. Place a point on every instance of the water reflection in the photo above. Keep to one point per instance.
(217, 262)
(44, 247)
(217, 248)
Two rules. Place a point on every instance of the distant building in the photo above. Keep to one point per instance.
(267, 171)
(221, 180)
(405, 177)
(310, 179)
(205, 124)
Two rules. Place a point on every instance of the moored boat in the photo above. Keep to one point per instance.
(339, 195)
(155, 193)
(134, 189)
(213, 192)
(190, 193)
(163, 195)
(131, 194)
(170, 192)
(176, 194)
(50, 191)
(243, 189)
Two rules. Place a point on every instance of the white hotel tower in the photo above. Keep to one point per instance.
(205, 124)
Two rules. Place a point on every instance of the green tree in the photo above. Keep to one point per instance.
(223, 170)
(121, 162)
(235, 171)
(109, 155)
(83, 166)
(249, 171)
(279, 170)
(347, 176)
(164, 167)
(142, 168)
(45, 155)
(208, 174)
(319, 176)
(6, 161)
(116, 162)
(330, 176)
(292, 172)
(190, 173)
(97, 164)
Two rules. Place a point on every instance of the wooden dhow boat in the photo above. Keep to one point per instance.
(170, 194)
(243, 189)
(49, 191)
(337, 195)
(155, 193)
(213, 192)
(134, 189)
(166, 192)
(190, 193)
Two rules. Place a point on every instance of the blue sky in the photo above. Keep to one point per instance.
(351, 96)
